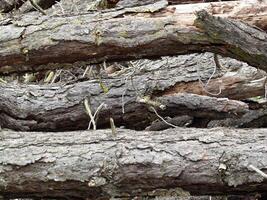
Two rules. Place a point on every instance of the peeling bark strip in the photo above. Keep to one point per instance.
(93, 163)
(129, 33)
(58, 107)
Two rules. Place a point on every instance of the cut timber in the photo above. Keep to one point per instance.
(61, 107)
(97, 165)
(147, 31)
(56, 108)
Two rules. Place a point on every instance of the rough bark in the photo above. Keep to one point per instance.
(239, 83)
(252, 119)
(57, 115)
(130, 33)
(99, 165)
(61, 107)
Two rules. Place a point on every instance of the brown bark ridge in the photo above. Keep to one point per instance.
(61, 107)
(129, 33)
(99, 165)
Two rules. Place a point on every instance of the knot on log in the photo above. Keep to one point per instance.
(202, 15)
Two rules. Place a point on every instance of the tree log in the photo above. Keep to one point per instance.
(61, 107)
(132, 33)
(99, 165)
(56, 108)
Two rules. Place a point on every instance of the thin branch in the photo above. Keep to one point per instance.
(49, 77)
(95, 114)
(85, 71)
(203, 85)
(37, 7)
(61, 7)
(89, 112)
(2, 81)
(113, 127)
(217, 62)
(162, 118)
(265, 88)
(122, 101)
(58, 72)
(258, 171)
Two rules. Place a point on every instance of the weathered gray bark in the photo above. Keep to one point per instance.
(97, 165)
(128, 33)
(61, 107)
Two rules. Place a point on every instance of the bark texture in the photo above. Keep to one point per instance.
(61, 107)
(252, 119)
(121, 163)
(99, 165)
(148, 31)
